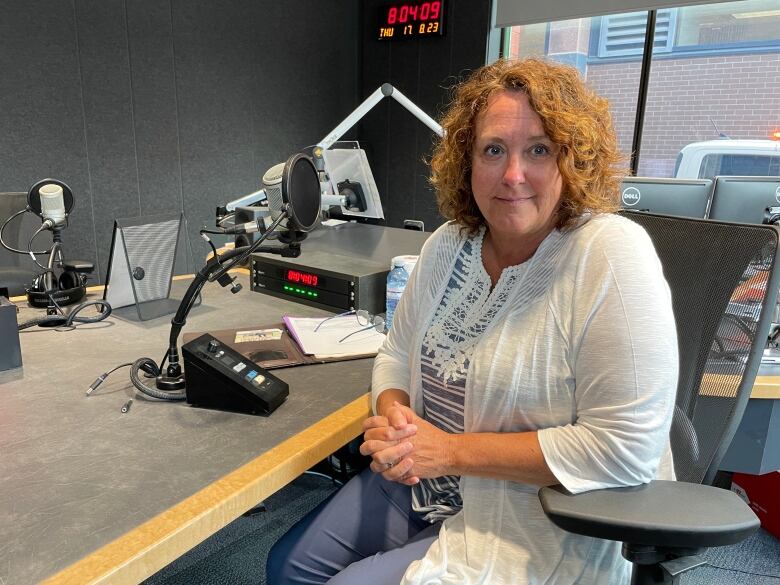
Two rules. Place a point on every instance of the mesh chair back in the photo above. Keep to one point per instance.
(18, 231)
(18, 270)
(724, 287)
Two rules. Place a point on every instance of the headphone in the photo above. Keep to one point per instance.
(70, 285)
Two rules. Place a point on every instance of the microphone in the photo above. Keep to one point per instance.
(250, 227)
(52, 201)
(294, 196)
(272, 191)
(272, 181)
(292, 189)
(52, 206)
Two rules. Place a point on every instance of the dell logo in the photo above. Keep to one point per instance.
(630, 196)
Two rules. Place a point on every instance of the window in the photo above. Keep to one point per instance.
(569, 41)
(752, 22)
(713, 165)
(528, 41)
(624, 34)
(714, 74)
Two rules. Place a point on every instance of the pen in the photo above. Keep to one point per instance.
(126, 406)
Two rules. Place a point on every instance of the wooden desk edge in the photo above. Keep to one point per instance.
(767, 387)
(151, 546)
(764, 387)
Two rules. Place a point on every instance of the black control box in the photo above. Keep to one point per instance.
(10, 350)
(220, 378)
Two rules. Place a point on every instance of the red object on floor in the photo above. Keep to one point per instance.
(762, 493)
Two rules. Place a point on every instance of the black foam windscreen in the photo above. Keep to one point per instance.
(301, 192)
(34, 195)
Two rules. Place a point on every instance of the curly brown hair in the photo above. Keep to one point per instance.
(574, 118)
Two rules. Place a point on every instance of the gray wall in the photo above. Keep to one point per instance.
(150, 106)
(423, 70)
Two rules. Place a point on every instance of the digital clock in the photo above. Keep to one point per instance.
(406, 20)
(298, 277)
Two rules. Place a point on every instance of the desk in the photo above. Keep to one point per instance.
(89, 495)
(755, 448)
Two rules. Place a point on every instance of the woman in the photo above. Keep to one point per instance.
(534, 345)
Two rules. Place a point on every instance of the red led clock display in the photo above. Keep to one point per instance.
(304, 278)
(411, 19)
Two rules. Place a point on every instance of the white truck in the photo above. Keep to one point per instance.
(706, 160)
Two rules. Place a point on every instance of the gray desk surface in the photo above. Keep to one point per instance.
(75, 473)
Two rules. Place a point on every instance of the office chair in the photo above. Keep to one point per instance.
(16, 271)
(724, 286)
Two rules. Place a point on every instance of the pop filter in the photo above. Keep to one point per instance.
(34, 196)
(301, 189)
(293, 188)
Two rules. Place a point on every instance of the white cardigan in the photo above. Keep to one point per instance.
(585, 352)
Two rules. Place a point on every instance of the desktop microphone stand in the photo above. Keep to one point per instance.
(55, 255)
(217, 269)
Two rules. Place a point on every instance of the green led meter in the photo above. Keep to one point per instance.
(300, 291)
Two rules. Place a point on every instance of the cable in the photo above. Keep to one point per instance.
(230, 215)
(150, 369)
(53, 301)
(210, 243)
(150, 372)
(11, 248)
(99, 380)
(743, 572)
(146, 364)
(213, 247)
(70, 318)
(324, 475)
(32, 254)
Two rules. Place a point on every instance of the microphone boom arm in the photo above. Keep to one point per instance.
(386, 90)
(246, 200)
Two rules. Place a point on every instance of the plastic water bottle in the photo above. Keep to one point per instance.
(400, 269)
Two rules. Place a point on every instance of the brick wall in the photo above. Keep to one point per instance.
(741, 93)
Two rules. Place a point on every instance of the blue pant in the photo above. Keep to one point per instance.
(366, 532)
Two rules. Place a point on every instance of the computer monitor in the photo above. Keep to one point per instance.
(684, 197)
(744, 199)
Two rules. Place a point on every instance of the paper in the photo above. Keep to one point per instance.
(258, 335)
(325, 342)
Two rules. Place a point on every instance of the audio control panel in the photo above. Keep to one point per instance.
(220, 378)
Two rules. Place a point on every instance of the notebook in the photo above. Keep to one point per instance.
(334, 337)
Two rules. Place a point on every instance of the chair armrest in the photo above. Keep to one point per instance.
(660, 513)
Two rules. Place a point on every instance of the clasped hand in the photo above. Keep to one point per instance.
(404, 447)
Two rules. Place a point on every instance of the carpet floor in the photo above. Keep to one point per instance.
(236, 554)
